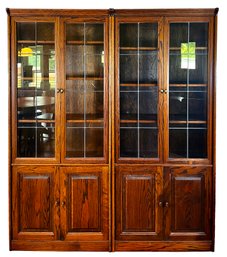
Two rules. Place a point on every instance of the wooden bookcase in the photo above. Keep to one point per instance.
(112, 129)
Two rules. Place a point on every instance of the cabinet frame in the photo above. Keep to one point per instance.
(111, 159)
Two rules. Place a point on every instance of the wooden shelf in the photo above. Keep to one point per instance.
(43, 42)
(139, 121)
(81, 42)
(35, 121)
(135, 84)
(197, 48)
(188, 122)
(139, 48)
(82, 78)
(190, 85)
(31, 78)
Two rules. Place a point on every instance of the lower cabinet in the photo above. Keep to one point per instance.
(171, 206)
(60, 208)
(68, 208)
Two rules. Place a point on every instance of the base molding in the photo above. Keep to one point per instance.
(22, 245)
(164, 246)
(26, 245)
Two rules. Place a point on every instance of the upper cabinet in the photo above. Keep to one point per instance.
(60, 91)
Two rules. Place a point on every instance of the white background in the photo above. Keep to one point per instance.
(221, 195)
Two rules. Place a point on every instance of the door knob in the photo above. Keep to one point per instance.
(63, 203)
(166, 204)
(61, 90)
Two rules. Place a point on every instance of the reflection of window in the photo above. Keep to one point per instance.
(188, 55)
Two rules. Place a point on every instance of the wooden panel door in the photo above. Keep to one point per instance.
(189, 203)
(84, 203)
(35, 203)
(138, 193)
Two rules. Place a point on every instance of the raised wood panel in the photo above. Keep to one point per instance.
(138, 214)
(34, 193)
(189, 211)
(85, 203)
(138, 203)
(34, 201)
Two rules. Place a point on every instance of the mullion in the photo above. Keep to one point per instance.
(84, 60)
(36, 126)
(138, 92)
(187, 91)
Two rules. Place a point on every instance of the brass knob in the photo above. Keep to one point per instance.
(160, 204)
(162, 90)
(166, 204)
(165, 91)
(62, 90)
(63, 203)
(57, 203)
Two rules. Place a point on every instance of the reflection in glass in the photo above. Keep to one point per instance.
(35, 89)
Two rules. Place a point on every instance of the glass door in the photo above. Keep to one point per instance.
(138, 85)
(35, 89)
(188, 90)
(85, 91)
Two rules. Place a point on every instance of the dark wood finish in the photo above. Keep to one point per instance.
(59, 245)
(118, 83)
(111, 203)
(84, 201)
(164, 246)
(188, 192)
(34, 212)
(138, 193)
(118, 12)
(94, 100)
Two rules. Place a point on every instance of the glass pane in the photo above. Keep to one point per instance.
(129, 142)
(129, 105)
(188, 78)
(148, 67)
(74, 141)
(197, 143)
(129, 35)
(148, 143)
(138, 90)
(128, 68)
(177, 143)
(94, 142)
(85, 90)
(35, 139)
(148, 34)
(36, 88)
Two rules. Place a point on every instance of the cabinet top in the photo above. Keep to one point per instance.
(107, 12)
